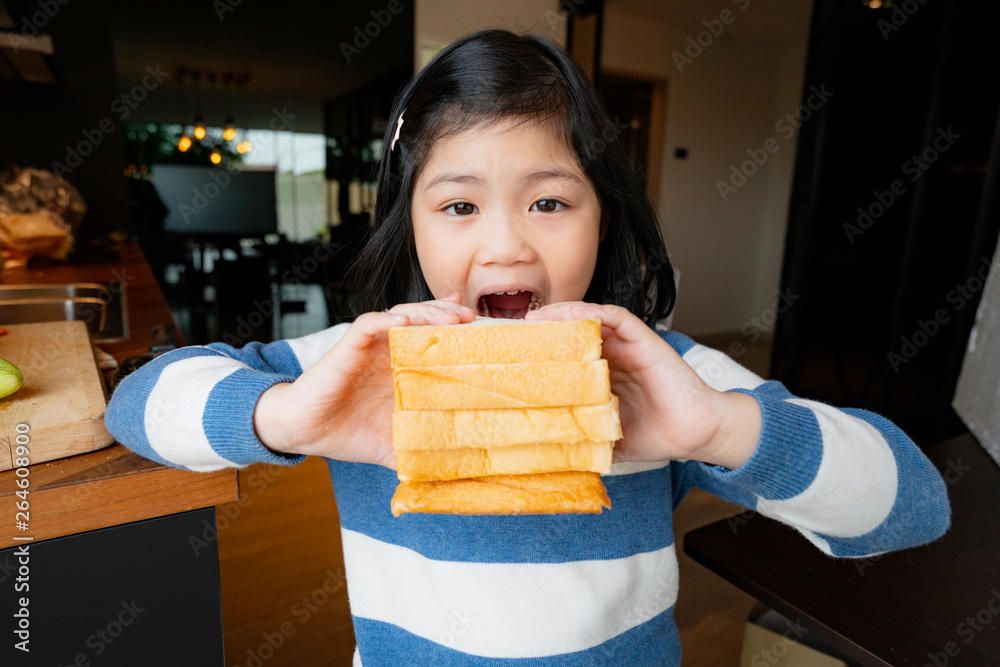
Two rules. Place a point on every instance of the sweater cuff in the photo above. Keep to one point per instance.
(228, 419)
(787, 455)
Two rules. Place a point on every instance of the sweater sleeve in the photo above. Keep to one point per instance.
(193, 407)
(849, 480)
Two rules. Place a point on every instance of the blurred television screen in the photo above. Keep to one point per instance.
(204, 200)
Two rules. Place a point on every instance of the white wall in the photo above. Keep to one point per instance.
(443, 21)
(725, 102)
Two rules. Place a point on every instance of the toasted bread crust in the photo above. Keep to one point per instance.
(543, 493)
(495, 342)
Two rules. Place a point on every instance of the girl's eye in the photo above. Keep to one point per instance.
(461, 208)
(547, 205)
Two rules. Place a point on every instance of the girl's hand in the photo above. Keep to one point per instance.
(667, 411)
(341, 406)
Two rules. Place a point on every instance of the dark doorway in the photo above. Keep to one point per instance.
(892, 218)
(636, 110)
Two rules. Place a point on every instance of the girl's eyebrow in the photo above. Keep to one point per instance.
(452, 177)
(549, 174)
(529, 179)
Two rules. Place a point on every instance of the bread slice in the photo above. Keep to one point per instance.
(493, 341)
(514, 460)
(544, 493)
(466, 387)
(431, 430)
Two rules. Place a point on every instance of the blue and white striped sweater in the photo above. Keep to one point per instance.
(553, 590)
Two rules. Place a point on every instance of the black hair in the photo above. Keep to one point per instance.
(492, 77)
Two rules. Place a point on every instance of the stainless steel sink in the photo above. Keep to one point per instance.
(103, 309)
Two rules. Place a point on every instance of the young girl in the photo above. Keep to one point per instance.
(500, 196)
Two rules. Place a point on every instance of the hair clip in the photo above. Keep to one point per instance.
(399, 126)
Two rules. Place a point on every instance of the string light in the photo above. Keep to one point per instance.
(199, 128)
(196, 136)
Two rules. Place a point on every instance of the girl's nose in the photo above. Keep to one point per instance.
(505, 239)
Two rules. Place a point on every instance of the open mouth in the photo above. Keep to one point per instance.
(509, 305)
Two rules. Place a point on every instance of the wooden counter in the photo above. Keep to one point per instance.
(111, 486)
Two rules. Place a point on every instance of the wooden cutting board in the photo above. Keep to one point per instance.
(62, 401)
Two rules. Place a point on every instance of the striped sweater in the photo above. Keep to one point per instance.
(555, 589)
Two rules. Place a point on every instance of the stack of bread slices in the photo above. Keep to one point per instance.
(502, 417)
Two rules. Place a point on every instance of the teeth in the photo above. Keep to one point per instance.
(507, 293)
(484, 311)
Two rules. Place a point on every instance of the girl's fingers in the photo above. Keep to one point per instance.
(451, 302)
(612, 317)
(625, 326)
(367, 327)
(435, 312)
(554, 311)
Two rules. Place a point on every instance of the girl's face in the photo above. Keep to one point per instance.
(505, 217)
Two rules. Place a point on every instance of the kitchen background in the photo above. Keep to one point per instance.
(825, 175)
